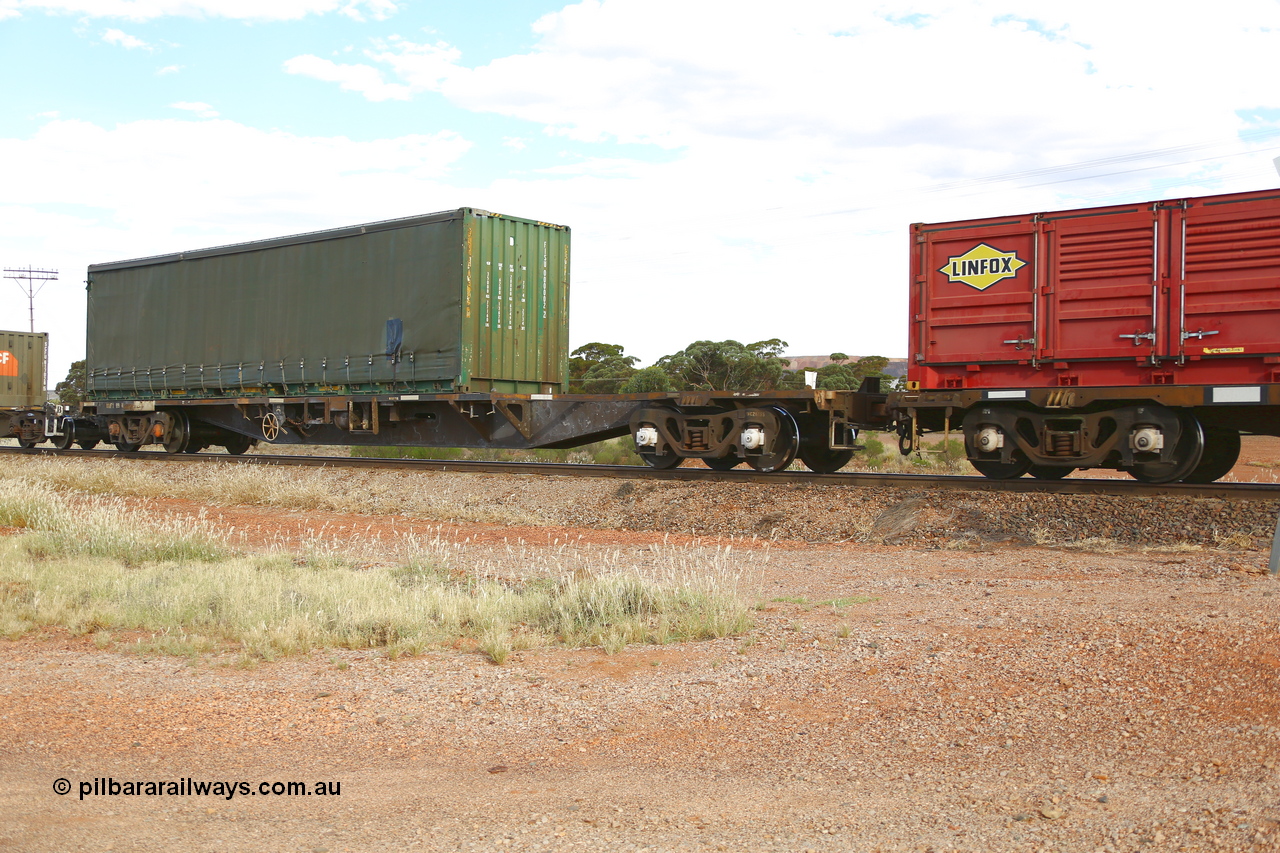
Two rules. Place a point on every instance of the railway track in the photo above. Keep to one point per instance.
(1082, 486)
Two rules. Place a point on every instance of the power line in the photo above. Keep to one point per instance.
(1244, 136)
(31, 276)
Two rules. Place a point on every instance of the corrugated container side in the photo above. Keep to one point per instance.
(23, 369)
(972, 292)
(311, 314)
(515, 312)
(1182, 291)
(1230, 276)
(1102, 271)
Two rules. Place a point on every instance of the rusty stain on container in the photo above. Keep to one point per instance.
(470, 234)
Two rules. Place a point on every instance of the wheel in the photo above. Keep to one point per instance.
(815, 451)
(1050, 472)
(824, 460)
(1002, 470)
(723, 463)
(662, 463)
(127, 447)
(68, 437)
(1221, 452)
(785, 445)
(28, 443)
(1186, 456)
(238, 445)
(179, 435)
(985, 431)
(88, 443)
(270, 426)
(192, 447)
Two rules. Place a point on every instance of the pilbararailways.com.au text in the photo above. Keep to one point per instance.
(187, 787)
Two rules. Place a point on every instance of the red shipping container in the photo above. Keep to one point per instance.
(1177, 292)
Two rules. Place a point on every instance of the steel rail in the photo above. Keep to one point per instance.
(1025, 485)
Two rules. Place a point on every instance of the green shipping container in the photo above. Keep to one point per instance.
(23, 363)
(458, 301)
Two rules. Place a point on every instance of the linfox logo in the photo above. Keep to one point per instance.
(8, 363)
(982, 266)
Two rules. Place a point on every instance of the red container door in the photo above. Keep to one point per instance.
(1230, 287)
(1104, 298)
(974, 294)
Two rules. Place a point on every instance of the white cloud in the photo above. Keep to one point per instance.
(168, 69)
(124, 40)
(364, 79)
(147, 10)
(790, 145)
(837, 77)
(201, 109)
(78, 193)
(424, 67)
(218, 176)
(379, 10)
(774, 155)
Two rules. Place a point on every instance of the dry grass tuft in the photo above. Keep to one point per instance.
(313, 489)
(94, 567)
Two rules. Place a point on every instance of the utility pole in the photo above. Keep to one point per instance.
(31, 276)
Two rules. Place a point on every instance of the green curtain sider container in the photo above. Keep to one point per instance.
(23, 365)
(460, 301)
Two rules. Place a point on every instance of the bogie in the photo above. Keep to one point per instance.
(766, 438)
(1151, 441)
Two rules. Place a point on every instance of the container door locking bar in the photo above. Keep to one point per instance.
(1201, 334)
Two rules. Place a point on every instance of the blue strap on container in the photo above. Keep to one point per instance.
(395, 338)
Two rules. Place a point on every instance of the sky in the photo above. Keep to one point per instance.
(731, 170)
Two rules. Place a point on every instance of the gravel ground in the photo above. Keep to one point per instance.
(922, 676)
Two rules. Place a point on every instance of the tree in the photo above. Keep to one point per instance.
(71, 390)
(646, 381)
(727, 365)
(841, 376)
(872, 365)
(598, 368)
(836, 377)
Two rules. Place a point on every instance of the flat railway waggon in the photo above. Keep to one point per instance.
(1143, 338)
(444, 330)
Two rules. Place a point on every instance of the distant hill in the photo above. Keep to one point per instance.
(896, 366)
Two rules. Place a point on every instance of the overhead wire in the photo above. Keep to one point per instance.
(1246, 136)
(979, 185)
